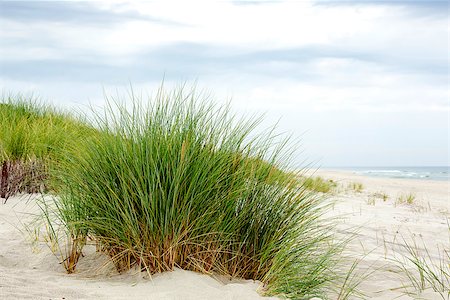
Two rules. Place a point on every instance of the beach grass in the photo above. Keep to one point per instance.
(183, 183)
(32, 136)
(408, 198)
(422, 269)
(371, 200)
(356, 186)
(381, 195)
(318, 184)
(31, 129)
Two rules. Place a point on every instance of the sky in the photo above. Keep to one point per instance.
(359, 83)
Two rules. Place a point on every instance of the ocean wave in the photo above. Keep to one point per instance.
(416, 173)
(383, 171)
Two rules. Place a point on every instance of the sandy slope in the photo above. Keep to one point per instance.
(28, 270)
(382, 225)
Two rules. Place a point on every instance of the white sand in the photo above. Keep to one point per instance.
(28, 270)
(382, 225)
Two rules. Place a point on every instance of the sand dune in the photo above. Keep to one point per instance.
(383, 226)
(29, 270)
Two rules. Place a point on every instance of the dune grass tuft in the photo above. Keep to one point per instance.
(318, 184)
(32, 135)
(184, 183)
(356, 186)
(408, 198)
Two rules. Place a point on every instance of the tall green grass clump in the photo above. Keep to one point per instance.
(184, 183)
(29, 128)
(32, 135)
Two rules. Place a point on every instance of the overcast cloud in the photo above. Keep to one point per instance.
(360, 82)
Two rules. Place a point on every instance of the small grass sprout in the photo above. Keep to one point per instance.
(356, 186)
(381, 195)
(408, 198)
(371, 201)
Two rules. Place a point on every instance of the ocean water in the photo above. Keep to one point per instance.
(424, 173)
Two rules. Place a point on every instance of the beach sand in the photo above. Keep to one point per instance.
(383, 225)
(29, 270)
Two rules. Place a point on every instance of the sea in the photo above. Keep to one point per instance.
(441, 173)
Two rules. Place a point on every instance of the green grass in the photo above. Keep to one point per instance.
(31, 129)
(356, 186)
(318, 184)
(423, 271)
(371, 201)
(381, 195)
(32, 137)
(183, 183)
(408, 198)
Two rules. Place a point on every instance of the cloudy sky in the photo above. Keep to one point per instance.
(361, 83)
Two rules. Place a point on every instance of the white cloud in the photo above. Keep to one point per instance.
(269, 26)
(324, 63)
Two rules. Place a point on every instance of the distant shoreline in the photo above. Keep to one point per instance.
(423, 173)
